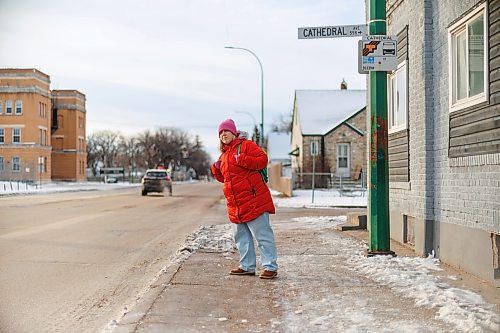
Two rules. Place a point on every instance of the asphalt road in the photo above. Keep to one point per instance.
(71, 262)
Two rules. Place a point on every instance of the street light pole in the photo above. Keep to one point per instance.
(261, 91)
(255, 129)
(248, 113)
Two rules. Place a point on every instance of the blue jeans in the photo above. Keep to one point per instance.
(260, 229)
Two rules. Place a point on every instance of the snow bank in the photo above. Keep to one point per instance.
(322, 198)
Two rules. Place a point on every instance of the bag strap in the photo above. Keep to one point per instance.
(239, 148)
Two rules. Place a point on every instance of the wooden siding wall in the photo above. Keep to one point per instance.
(399, 154)
(476, 130)
(403, 45)
(399, 157)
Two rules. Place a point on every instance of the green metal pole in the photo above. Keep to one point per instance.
(378, 159)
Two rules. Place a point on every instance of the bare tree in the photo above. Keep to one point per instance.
(164, 146)
(199, 159)
(146, 147)
(102, 149)
(129, 152)
(283, 124)
(93, 156)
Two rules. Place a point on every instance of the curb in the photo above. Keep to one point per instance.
(130, 320)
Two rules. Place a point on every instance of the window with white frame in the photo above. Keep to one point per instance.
(468, 65)
(2, 135)
(19, 107)
(1, 107)
(16, 135)
(2, 167)
(8, 107)
(398, 98)
(16, 163)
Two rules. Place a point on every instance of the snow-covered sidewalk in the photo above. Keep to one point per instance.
(327, 284)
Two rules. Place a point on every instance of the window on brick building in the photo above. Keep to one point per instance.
(8, 107)
(1, 164)
(16, 135)
(468, 50)
(2, 135)
(398, 98)
(19, 107)
(1, 107)
(16, 163)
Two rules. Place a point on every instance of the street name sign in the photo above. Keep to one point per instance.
(378, 53)
(333, 31)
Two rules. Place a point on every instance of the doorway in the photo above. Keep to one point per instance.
(343, 160)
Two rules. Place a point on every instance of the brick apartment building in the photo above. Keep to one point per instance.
(42, 131)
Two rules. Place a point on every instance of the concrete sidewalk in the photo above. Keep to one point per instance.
(316, 290)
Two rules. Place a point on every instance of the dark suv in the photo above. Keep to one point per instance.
(155, 180)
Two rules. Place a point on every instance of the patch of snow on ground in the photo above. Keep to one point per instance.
(213, 238)
(322, 198)
(316, 222)
(15, 188)
(412, 277)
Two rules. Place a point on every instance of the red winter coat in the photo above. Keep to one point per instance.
(247, 195)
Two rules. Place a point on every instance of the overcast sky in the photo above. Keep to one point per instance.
(161, 63)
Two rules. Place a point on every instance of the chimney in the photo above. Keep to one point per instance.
(343, 85)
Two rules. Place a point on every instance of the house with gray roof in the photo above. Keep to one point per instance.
(335, 120)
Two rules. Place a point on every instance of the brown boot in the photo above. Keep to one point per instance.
(239, 271)
(268, 274)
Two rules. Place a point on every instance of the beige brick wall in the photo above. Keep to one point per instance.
(32, 87)
(69, 138)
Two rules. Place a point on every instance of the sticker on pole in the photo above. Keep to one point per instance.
(378, 53)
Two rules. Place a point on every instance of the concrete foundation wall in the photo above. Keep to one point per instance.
(396, 225)
(470, 249)
(467, 248)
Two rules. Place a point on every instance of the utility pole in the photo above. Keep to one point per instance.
(378, 204)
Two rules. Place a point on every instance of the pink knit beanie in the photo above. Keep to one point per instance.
(228, 125)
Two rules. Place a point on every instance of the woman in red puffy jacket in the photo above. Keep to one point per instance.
(249, 201)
